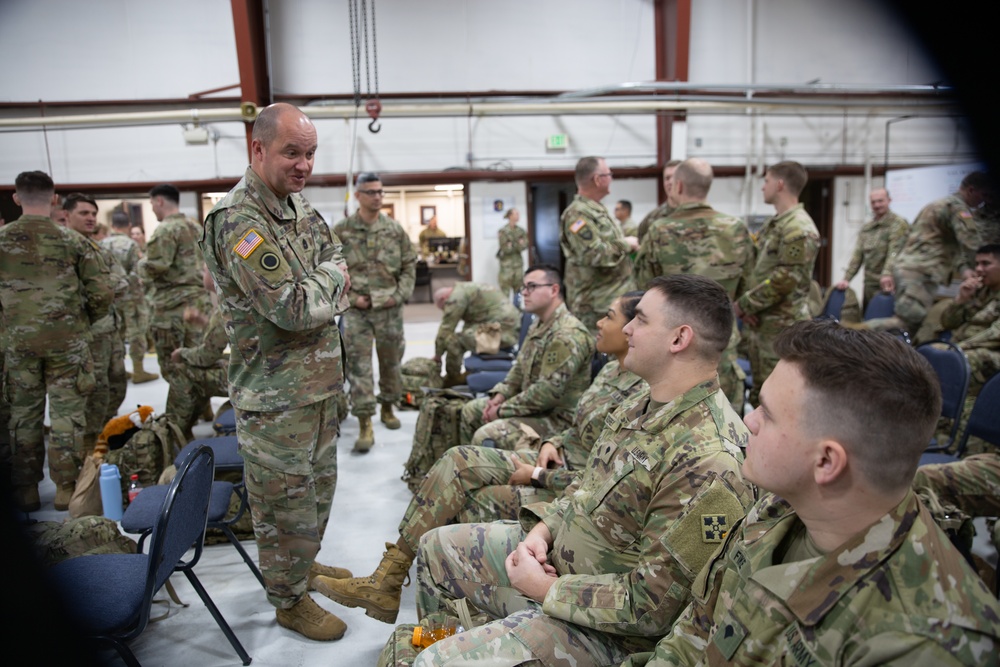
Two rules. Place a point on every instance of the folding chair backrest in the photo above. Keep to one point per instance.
(881, 305)
(834, 304)
(984, 420)
(526, 320)
(181, 524)
(952, 369)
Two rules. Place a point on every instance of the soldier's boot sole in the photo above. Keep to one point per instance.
(64, 494)
(377, 604)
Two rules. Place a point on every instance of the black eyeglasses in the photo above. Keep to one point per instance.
(373, 193)
(530, 287)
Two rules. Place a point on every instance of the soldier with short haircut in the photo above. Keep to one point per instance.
(107, 347)
(383, 266)
(943, 237)
(131, 307)
(513, 241)
(879, 241)
(664, 209)
(280, 274)
(697, 239)
(623, 214)
(53, 286)
(471, 304)
(172, 267)
(839, 562)
(598, 267)
(601, 572)
(552, 369)
(777, 292)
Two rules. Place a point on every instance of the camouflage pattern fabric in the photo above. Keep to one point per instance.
(896, 594)
(661, 488)
(148, 452)
(55, 541)
(597, 268)
(879, 241)
(513, 241)
(972, 484)
(383, 265)
(944, 238)
(552, 369)
(425, 238)
(975, 327)
(126, 251)
(47, 315)
(417, 373)
(661, 211)
(437, 431)
(201, 373)
(778, 287)
(172, 266)
(630, 228)
(277, 268)
(469, 484)
(473, 304)
(697, 239)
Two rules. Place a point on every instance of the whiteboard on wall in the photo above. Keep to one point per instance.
(912, 189)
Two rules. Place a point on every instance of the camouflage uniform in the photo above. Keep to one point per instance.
(469, 484)
(661, 211)
(975, 327)
(382, 264)
(629, 228)
(944, 237)
(473, 304)
(598, 268)
(897, 593)
(878, 242)
(201, 373)
(972, 484)
(275, 263)
(659, 492)
(173, 265)
(513, 241)
(541, 390)
(46, 321)
(778, 288)
(107, 349)
(425, 238)
(126, 251)
(697, 239)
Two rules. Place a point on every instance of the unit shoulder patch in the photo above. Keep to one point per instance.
(714, 528)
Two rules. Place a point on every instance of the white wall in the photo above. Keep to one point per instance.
(485, 265)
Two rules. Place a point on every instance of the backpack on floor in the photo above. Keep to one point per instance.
(147, 450)
(399, 651)
(437, 431)
(418, 373)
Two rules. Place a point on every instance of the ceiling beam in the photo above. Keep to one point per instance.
(251, 55)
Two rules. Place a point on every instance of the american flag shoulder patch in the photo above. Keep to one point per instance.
(248, 244)
(577, 226)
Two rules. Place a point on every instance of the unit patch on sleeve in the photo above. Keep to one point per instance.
(714, 528)
(248, 244)
(269, 261)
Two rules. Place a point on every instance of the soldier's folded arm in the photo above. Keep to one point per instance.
(592, 249)
(782, 280)
(160, 253)
(562, 358)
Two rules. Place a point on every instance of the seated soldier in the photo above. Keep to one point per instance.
(604, 569)
(839, 562)
(472, 304)
(485, 484)
(551, 371)
(202, 371)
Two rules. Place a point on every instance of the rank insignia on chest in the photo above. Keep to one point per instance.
(248, 244)
(713, 528)
(612, 423)
(578, 225)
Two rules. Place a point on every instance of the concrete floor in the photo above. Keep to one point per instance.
(369, 502)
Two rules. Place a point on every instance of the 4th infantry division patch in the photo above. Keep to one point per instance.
(714, 528)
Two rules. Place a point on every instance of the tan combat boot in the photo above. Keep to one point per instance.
(390, 420)
(26, 498)
(139, 375)
(318, 569)
(64, 493)
(378, 594)
(367, 437)
(310, 620)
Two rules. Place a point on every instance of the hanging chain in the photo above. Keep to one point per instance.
(355, 51)
(374, 48)
(368, 69)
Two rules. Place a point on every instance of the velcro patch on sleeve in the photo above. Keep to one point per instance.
(577, 226)
(250, 241)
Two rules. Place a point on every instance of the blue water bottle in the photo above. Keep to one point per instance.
(111, 491)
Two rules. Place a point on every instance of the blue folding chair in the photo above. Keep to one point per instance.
(881, 305)
(984, 422)
(952, 369)
(834, 304)
(111, 594)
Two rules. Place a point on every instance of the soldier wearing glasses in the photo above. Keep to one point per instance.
(383, 268)
(551, 372)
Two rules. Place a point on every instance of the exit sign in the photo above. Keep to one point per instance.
(557, 142)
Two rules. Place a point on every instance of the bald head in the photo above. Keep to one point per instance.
(441, 295)
(265, 128)
(283, 148)
(692, 180)
(880, 202)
